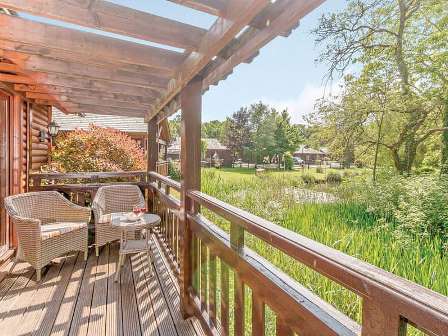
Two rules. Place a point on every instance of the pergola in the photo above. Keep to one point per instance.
(80, 71)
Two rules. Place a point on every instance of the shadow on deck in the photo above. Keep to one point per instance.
(81, 298)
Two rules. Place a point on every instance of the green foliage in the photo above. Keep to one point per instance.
(97, 149)
(346, 225)
(204, 147)
(334, 178)
(397, 100)
(174, 124)
(213, 129)
(288, 161)
(173, 171)
(319, 170)
(308, 178)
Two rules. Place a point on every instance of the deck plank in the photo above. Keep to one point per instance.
(145, 307)
(131, 321)
(97, 320)
(80, 321)
(61, 325)
(58, 275)
(76, 297)
(114, 321)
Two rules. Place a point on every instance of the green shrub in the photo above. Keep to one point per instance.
(289, 163)
(308, 179)
(173, 171)
(97, 149)
(334, 178)
(319, 170)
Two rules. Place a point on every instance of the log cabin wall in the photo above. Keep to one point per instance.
(40, 117)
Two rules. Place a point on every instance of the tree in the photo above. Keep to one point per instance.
(213, 129)
(237, 132)
(384, 37)
(174, 125)
(97, 149)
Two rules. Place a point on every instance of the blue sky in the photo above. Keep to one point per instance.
(284, 74)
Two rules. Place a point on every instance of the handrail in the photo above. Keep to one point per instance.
(87, 175)
(166, 180)
(424, 308)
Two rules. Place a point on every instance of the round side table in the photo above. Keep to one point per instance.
(132, 246)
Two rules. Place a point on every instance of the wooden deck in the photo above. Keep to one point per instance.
(81, 298)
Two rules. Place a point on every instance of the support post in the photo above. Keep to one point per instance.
(152, 153)
(191, 105)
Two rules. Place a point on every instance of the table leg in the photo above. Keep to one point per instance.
(120, 263)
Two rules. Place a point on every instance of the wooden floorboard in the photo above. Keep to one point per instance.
(76, 297)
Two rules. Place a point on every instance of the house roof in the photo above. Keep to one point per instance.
(212, 144)
(308, 150)
(70, 122)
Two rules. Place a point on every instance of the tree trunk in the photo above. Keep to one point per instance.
(444, 159)
(377, 147)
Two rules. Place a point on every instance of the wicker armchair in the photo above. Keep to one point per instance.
(48, 226)
(112, 199)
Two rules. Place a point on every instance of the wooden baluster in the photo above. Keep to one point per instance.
(282, 328)
(224, 297)
(237, 243)
(204, 276)
(194, 264)
(258, 315)
(378, 319)
(212, 287)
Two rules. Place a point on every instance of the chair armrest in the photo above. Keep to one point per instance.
(68, 211)
(28, 229)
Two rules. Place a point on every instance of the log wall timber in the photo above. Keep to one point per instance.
(40, 117)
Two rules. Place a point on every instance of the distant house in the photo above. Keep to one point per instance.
(136, 128)
(215, 150)
(310, 155)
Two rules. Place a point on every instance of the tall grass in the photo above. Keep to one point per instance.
(344, 225)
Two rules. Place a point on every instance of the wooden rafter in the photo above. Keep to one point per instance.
(85, 44)
(113, 18)
(219, 35)
(214, 7)
(293, 11)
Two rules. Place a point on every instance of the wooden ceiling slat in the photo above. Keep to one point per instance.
(214, 7)
(219, 35)
(114, 18)
(86, 100)
(64, 91)
(84, 108)
(24, 52)
(292, 13)
(83, 43)
(53, 66)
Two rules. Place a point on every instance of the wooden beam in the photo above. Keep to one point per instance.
(85, 44)
(214, 7)
(15, 79)
(54, 66)
(93, 101)
(113, 18)
(191, 102)
(9, 68)
(85, 108)
(219, 35)
(64, 92)
(25, 51)
(291, 15)
(90, 84)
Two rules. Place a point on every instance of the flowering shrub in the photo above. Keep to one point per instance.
(97, 149)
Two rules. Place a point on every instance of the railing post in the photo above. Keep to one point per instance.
(152, 158)
(380, 320)
(191, 105)
(237, 243)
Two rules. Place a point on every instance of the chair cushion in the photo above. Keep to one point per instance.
(59, 228)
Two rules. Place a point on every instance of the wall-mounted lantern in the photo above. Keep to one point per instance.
(53, 129)
(42, 135)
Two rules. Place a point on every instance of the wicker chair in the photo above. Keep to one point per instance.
(48, 226)
(112, 199)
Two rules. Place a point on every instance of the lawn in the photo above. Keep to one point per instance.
(343, 225)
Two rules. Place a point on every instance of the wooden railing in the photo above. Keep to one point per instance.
(221, 268)
(81, 188)
(390, 303)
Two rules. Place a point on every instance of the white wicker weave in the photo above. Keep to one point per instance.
(113, 199)
(48, 226)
